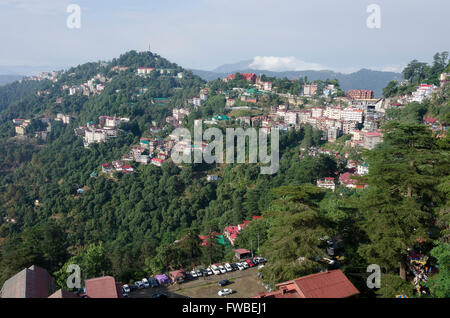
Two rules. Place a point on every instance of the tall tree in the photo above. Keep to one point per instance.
(398, 207)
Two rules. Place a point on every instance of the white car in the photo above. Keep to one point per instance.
(228, 267)
(329, 261)
(260, 266)
(245, 264)
(222, 269)
(126, 289)
(139, 285)
(239, 265)
(145, 282)
(194, 274)
(199, 273)
(215, 270)
(209, 271)
(225, 292)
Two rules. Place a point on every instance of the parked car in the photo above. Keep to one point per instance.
(199, 273)
(224, 282)
(261, 260)
(139, 285)
(160, 296)
(234, 266)
(250, 263)
(255, 261)
(222, 269)
(260, 266)
(228, 267)
(153, 282)
(126, 289)
(132, 287)
(245, 264)
(145, 282)
(209, 271)
(194, 274)
(225, 292)
(215, 270)
(240, 266)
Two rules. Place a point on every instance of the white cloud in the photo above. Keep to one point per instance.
(279, 64)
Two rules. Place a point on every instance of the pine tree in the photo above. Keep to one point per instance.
(397, 210)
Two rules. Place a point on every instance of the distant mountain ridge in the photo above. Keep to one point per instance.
(362, 79)
(9, 78)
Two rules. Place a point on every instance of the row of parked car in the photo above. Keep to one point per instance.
(215, 269)
(218, 269)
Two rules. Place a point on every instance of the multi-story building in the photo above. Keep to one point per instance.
(333, 133)
(360, 94)
(304, 116)
(326, 183)
(291, 118)
(316, 112)
(145, 70)
(371, 139)
(351, 114)
(331, 112)
(309, 89)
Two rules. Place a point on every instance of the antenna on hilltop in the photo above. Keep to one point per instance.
(149, 47)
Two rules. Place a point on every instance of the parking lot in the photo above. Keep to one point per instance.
(244, 284)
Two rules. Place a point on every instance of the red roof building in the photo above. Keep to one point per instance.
(330, 284)
(242, 253)
(103, 287)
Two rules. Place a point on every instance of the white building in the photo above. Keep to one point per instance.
(291, 118)
(363, 169)
(334, 113)
(422, 92)
(326, 183)
(145, 70)
(351, 114)
(316, 112)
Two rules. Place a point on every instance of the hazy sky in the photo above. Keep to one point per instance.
(203, 34)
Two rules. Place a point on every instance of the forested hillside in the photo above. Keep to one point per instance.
(149, 221)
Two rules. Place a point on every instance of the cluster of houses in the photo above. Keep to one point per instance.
(93, 86)
(51, 76)
(232, 232)
(153, 151)
(202, 97)
(347, 178)
(177, 117)
(21, 125)
(145, 71)
(106, 129)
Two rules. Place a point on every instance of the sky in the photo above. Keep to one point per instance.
(204, 34)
